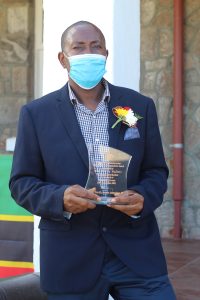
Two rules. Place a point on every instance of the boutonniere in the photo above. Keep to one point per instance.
(126, 116)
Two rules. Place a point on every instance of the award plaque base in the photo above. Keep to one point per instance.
(108, 201)
(108, 173)
(103, 201)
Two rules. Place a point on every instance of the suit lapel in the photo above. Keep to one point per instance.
(113, 132)
(69, 120)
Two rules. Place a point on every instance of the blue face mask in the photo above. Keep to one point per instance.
(87, 70)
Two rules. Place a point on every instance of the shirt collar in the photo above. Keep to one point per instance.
(105, 97)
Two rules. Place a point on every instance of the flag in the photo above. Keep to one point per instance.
(16, 229)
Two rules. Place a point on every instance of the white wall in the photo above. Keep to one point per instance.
(119, 20)
(126, 43)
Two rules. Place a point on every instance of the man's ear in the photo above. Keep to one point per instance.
(107, 54)
(62, 59)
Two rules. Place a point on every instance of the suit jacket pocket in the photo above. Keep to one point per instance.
(133, 147)
(50, 225)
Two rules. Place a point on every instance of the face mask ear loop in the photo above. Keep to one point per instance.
(65, 55)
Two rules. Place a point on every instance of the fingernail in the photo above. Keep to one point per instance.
(113, 200)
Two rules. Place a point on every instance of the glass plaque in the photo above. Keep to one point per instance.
(107, 172)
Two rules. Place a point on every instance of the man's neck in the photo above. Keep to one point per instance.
(89, 98)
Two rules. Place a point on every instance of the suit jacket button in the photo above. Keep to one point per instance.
(104, 229)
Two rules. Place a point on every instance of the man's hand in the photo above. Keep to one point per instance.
(131, 203)
(76, 199)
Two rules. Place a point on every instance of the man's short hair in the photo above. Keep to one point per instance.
(67, 30)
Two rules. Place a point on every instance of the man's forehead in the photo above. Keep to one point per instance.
(83, 32)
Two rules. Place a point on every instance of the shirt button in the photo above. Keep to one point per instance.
(104, 229)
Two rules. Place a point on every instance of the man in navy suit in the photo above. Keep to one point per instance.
(89, 251)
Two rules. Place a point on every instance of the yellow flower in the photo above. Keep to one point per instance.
(121, 112)
(125, 115)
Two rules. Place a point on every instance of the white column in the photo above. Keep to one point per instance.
(126, 43)
(38, 85)
(38, 51)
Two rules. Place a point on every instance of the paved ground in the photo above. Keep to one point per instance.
(183, 259)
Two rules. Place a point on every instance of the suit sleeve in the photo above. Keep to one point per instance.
(27, 182)
(154, 172)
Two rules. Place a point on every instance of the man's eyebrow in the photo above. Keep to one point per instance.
(83, 42)
(96, 41)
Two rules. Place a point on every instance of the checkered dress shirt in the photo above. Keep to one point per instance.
(93, 124)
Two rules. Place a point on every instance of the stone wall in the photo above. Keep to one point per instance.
(156, 81)
(16, 62)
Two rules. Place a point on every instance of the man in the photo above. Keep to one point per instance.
(89, 251)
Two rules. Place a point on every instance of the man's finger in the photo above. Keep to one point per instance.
(86, 194)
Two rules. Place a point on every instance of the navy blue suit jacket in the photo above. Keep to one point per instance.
(51, 154)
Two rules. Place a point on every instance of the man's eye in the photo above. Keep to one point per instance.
(77, 47)
(97, 46)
